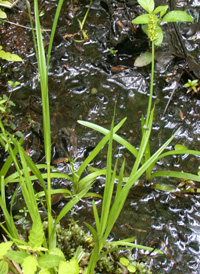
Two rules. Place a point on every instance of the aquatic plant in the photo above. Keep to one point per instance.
(144, 161)
(154, 32)
(41, 252)
(81, 25)
(192, 86)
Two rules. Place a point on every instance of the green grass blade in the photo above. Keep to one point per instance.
(176, 174)
(87, 180)
(144, 142)
(7, 164)
(43, 72)
(96, 217)
(109, 185)
(119, 202)
(98, 147)
(121, 243)
(8, 219)
(71, 203)
(55, 22)
(116, 137)
(120, 180)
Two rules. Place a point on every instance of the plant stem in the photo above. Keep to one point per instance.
(86, 14)
(151, 86)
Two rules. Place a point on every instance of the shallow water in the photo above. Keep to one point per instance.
(166, 221)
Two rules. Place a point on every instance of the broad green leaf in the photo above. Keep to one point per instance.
(145, 29)
(131, 268)
(159, 40)
(70, 267)
(57, 251)
(4, 247)
(49, 261)
(124, 261)
(36, 237)
(142, 19)
(16, 256)
(161, 9)
(3, 15)
(44, 271)
(147, 5)
(5, 3)
(9, 56)
(177, 16)
(29, 266)
(143, 60)
(3, 267)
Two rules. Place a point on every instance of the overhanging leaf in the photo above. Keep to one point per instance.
(161, 9)
(147, 5)
(142, 19)
(6, 4)
(16, 256)
(177, 16)
(48, 261)
(143, 60)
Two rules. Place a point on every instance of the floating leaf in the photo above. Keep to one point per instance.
(143, 60)
(29, 265)
(3, 267)
(4, 247)
(147, 5)
(9, 56)
(177, 16)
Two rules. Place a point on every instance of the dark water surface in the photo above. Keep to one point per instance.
(84, 85)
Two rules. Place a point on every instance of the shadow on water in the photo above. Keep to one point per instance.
(85, 82)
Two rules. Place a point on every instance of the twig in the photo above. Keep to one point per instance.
(172, 94)
(21, 26)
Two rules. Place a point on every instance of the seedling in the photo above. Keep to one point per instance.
(81, 24)
(192, 86)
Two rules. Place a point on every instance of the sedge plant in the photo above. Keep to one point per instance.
(151, 26)
(144, 161)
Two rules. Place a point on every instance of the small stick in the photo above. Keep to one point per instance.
(21, 26)
(170, 98)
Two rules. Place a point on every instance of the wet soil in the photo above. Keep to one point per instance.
(86, 81)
